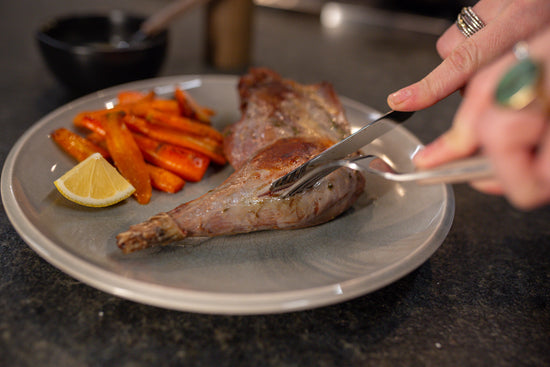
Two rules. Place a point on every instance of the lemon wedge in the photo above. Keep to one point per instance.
(94, 182)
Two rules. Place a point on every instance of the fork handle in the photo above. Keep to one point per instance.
(468, 169)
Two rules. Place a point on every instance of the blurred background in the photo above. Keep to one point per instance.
(306, 40)
(437, 8)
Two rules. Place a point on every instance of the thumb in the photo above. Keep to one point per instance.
(454, 144)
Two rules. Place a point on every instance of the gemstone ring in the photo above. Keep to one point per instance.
(522, 83)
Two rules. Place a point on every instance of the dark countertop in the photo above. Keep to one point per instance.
(483, 298)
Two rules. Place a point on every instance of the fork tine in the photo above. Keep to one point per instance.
(288, 179)
(311, 179)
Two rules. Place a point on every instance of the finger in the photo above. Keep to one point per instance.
(486, 10)
(518, 142)
(510, 139)
(522, 188)
(540, 51)
(462, 140)
(456, 143)
(473, 53)
(450, 75)
(542, 166)
(489, 186)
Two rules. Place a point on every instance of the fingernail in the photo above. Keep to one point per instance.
(399, 97)
(425, 156)
(419, 156)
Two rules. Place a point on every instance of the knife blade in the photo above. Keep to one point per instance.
(345, 147)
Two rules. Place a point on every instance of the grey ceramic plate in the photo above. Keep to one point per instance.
(392, 230)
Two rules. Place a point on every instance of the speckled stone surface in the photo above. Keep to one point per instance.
(483, 299)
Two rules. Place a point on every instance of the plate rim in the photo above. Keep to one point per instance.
(193, 300)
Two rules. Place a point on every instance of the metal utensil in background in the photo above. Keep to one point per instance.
(160, 20)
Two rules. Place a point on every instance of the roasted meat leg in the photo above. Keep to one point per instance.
(277, 133)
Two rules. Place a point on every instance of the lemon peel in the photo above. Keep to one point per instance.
(94, 182)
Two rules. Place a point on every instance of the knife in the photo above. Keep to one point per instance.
(347, 146)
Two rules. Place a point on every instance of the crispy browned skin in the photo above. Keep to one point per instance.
(271, 139)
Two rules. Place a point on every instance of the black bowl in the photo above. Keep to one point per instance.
(85, 52)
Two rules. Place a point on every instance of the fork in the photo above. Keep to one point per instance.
(468, 169)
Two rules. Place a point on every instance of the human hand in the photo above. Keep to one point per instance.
(507, 22)
(517, 142)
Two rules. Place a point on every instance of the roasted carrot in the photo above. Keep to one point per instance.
(164, 180)
(75, 145)
(176, 122)
(177, 145)
(99, 114)
(97, 139)
(130, 96)
(202, 144)
(208, 147)
(185, 108)
(190, 108)
(166, 105)
(184, 162)
(187, 163)
(90, 123)
(127, 156)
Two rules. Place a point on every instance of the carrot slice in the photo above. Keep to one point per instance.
(75, 145)
(208, 147)
(176, 122)
(186, 163)
(97, 139)
(90, 123)
(130, 96)
(191, 108)
(164, 180)
(166, 105)
(127, 156)
(100, 114)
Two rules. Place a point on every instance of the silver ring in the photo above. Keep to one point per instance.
(468, 22)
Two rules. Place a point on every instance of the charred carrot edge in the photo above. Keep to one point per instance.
(75, 145)
(169, 135)
(164, 180)
(176, 122)
(191, 108)
(186, 163)
(127, 156)
(185, 108)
